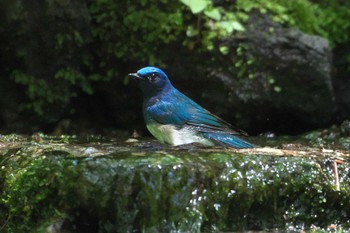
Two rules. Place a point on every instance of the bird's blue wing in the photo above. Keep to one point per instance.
(177, 109)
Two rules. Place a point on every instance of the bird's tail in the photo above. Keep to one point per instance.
(228, 140)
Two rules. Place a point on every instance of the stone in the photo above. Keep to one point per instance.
(54, 185)
(286, 85)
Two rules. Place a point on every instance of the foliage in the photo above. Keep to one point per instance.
(326, 18)
(70, 54)
(130, 30)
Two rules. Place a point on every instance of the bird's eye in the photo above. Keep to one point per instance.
(153, 77)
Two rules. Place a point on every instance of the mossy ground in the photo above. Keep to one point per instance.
(99, 185)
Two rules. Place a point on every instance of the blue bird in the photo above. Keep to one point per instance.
(175, 119)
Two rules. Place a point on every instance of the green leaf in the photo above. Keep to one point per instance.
(196, 6)
(237, 26)
(224, 50)
(191, 31)
(230, 26)
(271, 80)
(277, 88)
(213, 14)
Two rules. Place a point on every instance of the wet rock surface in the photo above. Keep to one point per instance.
(94, 184)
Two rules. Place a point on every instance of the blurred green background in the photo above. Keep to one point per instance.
(66, 61)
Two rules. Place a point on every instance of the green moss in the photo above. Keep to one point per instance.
(142, 190)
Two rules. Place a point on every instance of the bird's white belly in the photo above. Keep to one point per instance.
(174, 136)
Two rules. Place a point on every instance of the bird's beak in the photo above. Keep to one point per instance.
(135, 76)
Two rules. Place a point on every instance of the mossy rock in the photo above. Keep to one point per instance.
(108, 186)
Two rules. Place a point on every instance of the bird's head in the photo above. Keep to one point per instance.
(151, 80)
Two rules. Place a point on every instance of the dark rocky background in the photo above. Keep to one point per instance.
(64, 64)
